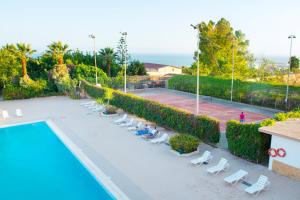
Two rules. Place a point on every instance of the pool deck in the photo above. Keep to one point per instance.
(142, 170)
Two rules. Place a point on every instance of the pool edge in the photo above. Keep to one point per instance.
(99, 175)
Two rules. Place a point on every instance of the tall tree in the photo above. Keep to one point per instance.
(57, 50)
(108, 57)
(218, 43)
(122, 51)
(24, 51)
(294, 63)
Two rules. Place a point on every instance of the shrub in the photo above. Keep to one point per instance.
(244, 140)
(110, 110)
(61, 78)
(184, 143)
(27, 88)
(261, 94)
(284, 116)
(203, 127)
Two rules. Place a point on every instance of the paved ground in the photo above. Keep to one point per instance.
(219, 109)
(142, 170)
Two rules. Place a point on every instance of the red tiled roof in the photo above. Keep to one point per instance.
(154, 66)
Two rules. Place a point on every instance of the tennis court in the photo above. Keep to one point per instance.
(219, 109)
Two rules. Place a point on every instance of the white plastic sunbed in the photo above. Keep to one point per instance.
(128, 123)
(90, 104)
(19, 113)
(98, 108)
(262, 184)
(87, 103)
(5, 114)
(121, 120)
(236, 177)
(164, 138)
(133, 128)
(221, 166)
(206, 157)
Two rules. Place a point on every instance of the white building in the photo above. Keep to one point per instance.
(286, 141)
(161, 70)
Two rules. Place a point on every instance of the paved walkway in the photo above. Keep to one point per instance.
(142, 170)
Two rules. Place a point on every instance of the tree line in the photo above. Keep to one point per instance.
(221, 46)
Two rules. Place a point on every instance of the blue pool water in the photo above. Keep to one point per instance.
(36, 165)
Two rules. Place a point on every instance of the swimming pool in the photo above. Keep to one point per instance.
(35, 164)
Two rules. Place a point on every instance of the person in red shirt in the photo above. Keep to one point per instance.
(242, 117)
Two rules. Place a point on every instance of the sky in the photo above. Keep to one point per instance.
(153, 26)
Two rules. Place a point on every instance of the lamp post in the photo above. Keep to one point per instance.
(291, 37)
(195, 27)
(95, 57)
(232, 74)
(124, 34)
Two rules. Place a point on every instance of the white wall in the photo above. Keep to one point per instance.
(292, 148)
(170, 70)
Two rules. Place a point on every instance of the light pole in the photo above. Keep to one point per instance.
(291, 37)
(232, 74)
(95, 57)
(124, 34)
(195, 27)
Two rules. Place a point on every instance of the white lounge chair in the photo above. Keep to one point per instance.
(87, 103)
(138, 126)
(91, 104)
(19, 113)
(206, 157)
(164, 138)
(221, 166)
(5, 114)
(236, 177)
(262, 183)
(121, 120)
(98, 108)
(128, 123)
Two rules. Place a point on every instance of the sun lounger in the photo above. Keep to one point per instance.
(5, 114)
(221, 166)
(206, 157)
(91, 104)
(236, 177)
(262, 184)
(19, 113)
(128, 123)
(98, 108)
(87, 103)
(153, 133)
(121, 120)
(161, 139)
(146, 130)
(138, 126)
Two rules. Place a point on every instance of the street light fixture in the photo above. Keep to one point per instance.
(196, 27)
(124, 34)
(95, 57)
(291, 37)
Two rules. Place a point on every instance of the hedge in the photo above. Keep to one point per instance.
(261, 94)
(203, 127)
(244, 140)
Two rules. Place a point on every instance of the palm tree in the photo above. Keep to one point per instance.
(108, 57)
(57, 50)
(24, 51)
